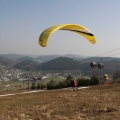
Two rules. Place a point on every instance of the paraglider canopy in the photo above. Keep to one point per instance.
(69, 27)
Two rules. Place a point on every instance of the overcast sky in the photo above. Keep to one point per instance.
(22, 22)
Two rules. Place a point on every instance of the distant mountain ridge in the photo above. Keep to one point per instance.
(39, 58)
(25, 58)
(54, 62)
(60, 63)
(64, 63)
(11, 56)
(6, 61)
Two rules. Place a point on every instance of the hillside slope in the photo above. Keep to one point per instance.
(6, 61)
(61, 63)
(94, 103)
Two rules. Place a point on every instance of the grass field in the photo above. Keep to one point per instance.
(13, 85)
(94, 103)
(17, 85)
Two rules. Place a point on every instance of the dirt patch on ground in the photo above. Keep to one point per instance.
(94, 103)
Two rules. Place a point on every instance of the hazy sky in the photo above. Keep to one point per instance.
(22, 21)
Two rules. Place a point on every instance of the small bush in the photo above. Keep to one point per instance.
(33, 86)
(86, 82)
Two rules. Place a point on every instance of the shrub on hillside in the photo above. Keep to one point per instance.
(37, 86)
(33, 86)
(116, 76)
(51, 85)
(86, 82)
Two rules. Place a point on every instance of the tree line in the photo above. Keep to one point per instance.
(94, 80)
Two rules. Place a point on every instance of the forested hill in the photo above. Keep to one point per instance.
(64, 63)
(6, 61)
(61, 63)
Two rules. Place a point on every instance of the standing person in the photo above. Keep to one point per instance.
(74, 84)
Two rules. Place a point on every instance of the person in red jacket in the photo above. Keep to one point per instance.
(74, 85)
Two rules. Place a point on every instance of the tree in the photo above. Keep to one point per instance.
(67, 82)
(51, 85)
(116, 76)
(33, 86)
(94, 80)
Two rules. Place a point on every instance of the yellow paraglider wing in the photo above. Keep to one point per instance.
(69, 27)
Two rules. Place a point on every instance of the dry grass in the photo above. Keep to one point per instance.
(95, 103)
